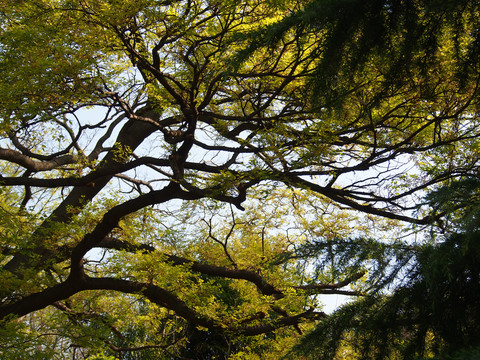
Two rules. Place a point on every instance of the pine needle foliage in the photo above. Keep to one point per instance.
(402, 39)
(435, 312)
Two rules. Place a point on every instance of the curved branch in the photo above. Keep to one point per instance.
(263, 286)
(341, 197)
(111, 170)
(131, 135)
(112, 217)
(207, 269)
(35, 166)
(281, 322)
(152, 292)
(338, 285)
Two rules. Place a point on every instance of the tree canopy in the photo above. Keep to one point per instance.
(182, 179)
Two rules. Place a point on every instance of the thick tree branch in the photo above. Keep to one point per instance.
(112, 217)
(262, 284)
(154, 293)
(132, 134)
(34, 165)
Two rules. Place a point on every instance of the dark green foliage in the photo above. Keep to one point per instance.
(346, 257)
(401, 38)
(434, 311)
(451, 284)
(438, 311)
(203, 345)
(459, 205)
(464, 354)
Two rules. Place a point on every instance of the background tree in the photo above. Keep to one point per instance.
(432, 312)
(134, 133)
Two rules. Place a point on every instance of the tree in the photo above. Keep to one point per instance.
(434, 311)
(137, 127)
